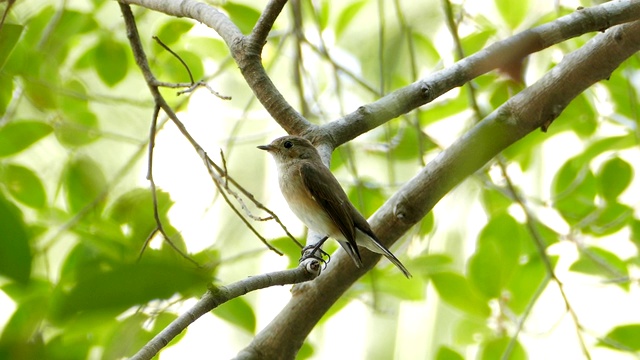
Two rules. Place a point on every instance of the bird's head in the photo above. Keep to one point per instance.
(287, 148)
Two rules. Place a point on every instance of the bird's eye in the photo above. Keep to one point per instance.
(288, 144)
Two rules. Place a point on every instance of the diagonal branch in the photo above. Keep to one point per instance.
(532, 108)
(507, 51)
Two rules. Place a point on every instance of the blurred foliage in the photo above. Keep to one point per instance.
(75, 211)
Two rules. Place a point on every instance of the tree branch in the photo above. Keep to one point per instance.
(532, 108)
(245, 50)
(215, 297)
(401, 101)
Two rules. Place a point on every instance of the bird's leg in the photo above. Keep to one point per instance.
(309, 251)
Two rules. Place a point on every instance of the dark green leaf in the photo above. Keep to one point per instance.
(15, 251)
(19, 135)
(171, 31)
(126, 285)
(367, 197)
(24, 185)
(490, 268)
(9, 35)
(454, 289)
(111, 62)
(6, 91)
(613, 178)
(84, 183)
(500, 349)
(243, 16)
(239, 313)
(623, 337)
(346, 16)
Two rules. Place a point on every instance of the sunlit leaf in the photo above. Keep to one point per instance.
(600, 262)
(624, 337)
(500, 349)
(446, 353)
(245, 17)
(19, 135)
(172, 30)
(574, 190)
(513, 13)
(346, 16)
(24, 185)
(525, 282)
(454, 289)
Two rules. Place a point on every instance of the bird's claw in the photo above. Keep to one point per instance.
(309, 252)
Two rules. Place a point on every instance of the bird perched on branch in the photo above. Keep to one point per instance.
(317, 199)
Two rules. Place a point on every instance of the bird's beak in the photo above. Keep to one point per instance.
(265, 147)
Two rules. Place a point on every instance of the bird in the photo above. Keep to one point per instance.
(315, 196)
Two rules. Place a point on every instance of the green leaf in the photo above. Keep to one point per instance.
(171, 31)
(367, 197)
(623, 337)
(513, 12)
(346, 16)
(111, 62)
(243, 16)
(490, 268)
(610, 219)
(446, 353)
(6, 91)
(127, 337)
(614, 177)
(15, 251)
(574, 190)
(26, 319)
(125, 285)
(454, 289)
(134, 210)
(497, 349)
(430, 264)
(476, 41)
(79, 128)
(83, 182)
(19, 135)
(495, 201)
(239, 313)
(24, 185)
(525, 282)
(579, 116)
(173, 70)
(9, 35)
(600, 262)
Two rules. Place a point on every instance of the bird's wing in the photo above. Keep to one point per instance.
(326, 190)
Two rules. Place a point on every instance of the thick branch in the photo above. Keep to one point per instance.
(497, 55)
(532, 108)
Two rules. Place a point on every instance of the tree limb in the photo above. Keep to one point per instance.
(531, 109)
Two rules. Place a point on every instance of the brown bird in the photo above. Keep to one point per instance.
(317, 199)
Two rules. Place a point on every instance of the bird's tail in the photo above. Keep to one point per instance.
(375, 246)
(352, 251)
